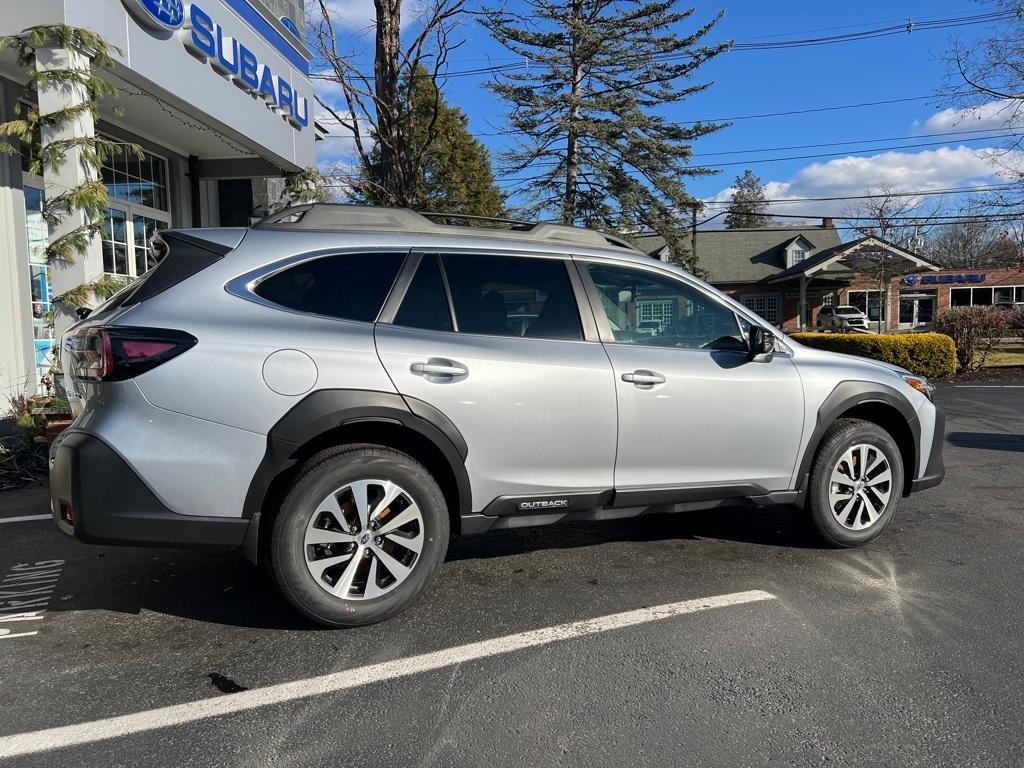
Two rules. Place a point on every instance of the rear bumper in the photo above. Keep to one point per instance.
(936, 470)
(97, 498)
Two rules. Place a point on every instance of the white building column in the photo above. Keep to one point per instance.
(74, 171)
(17, 352)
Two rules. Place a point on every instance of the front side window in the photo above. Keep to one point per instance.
(512, 296)
(347, 286)
(655, 310)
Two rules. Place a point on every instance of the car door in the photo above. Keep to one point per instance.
(497, 344)
(695, 411)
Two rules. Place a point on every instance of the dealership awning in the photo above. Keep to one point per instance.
(843, 258)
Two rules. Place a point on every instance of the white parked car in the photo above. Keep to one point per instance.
(845, 315)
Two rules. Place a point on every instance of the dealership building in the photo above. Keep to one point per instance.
(788, 274)
(217, 95)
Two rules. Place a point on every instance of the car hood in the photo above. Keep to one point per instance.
(865, 363)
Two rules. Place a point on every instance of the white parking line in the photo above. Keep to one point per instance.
(25, 518)
(178, 714)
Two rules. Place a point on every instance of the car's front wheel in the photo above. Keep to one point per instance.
(359, 536)
(856, 483)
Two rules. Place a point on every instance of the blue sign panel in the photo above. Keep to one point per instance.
(290, 26)
(158, 14)
(973, 277)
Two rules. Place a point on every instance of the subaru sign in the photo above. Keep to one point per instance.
(208, 41)
(944, 279)
(161, 15)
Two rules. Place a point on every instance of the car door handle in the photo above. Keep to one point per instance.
(439, 367)
(643, 378)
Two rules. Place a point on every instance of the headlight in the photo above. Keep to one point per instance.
(920, 383)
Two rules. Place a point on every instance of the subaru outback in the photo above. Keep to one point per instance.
(338, 390)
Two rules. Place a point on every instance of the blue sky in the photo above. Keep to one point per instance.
(756, 82)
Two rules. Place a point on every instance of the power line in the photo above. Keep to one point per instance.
(852, 141)
(844, 153)
(855, 151)
(914, 193)
(894, 29)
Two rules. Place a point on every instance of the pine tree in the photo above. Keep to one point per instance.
(455, 175)
(592, 147)
(748, 209)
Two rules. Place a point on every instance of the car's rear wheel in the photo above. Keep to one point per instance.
(856, 483)
(359, 536)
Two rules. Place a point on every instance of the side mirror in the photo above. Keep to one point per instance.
(83, 312)
(761, 344)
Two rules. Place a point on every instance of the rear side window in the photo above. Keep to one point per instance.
(348, 286)
(512, 296)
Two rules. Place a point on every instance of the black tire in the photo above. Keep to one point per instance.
(840, 437)
(328, 471)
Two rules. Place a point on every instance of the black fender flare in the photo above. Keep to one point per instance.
(328, 409)
(846, 395)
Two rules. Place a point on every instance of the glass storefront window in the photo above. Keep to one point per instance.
(1003, 295)
(142, 181)
(39, 278)
(960, 297)
(114, 242)
(868, 303)
(144, 229)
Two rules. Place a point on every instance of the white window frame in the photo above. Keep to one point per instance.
(1017, 289)
(655, 310)
(771, 300)
(132, 210)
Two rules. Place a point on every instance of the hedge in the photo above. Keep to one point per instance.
(926, 354)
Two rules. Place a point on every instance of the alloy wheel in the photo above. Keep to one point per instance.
(859, 487)
(363, 539)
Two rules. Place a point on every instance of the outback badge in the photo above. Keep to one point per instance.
(543, 504)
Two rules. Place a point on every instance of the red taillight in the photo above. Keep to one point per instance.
(139, 350)
(116, 353)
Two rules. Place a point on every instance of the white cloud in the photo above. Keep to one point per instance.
(992, 115)
(356, 15)
(360, 16)
(928, 170)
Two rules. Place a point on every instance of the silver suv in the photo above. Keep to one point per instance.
(339, 390)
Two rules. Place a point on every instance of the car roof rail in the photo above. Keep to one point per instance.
(336, 217)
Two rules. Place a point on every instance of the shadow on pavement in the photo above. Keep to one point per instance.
(778, 526)
(988, 441)
(221, 588)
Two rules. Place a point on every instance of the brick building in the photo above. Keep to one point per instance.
(788, 273)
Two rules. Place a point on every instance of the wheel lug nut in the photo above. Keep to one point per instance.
(366, 553)
(379, 540)
(354, 529)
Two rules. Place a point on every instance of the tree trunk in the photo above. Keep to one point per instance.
(571, 151)
(389, 130)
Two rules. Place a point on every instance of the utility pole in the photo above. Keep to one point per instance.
(693, 231)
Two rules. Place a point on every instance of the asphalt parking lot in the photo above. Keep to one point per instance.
(772, 651)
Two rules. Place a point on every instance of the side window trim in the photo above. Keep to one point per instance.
(447, 291)
(605, 332)
(400, 288)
